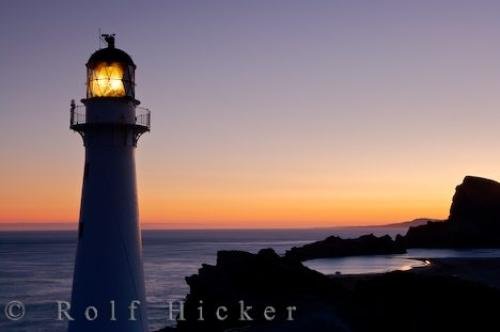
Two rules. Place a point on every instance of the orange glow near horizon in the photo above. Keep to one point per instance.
(198, 201)
(249, 210)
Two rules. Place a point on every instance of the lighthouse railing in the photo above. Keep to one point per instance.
(78, 116)
(143, 117)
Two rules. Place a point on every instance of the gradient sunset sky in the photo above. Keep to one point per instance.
(264, 113)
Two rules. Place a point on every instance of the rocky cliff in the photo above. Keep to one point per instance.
(474, 219)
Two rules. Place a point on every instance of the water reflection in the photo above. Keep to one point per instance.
(386, 263)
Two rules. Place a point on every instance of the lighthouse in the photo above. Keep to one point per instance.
(108, 286)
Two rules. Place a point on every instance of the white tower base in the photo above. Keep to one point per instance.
(108, 289)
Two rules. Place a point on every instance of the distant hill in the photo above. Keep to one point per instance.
(412, 223)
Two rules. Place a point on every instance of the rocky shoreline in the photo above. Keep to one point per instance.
(445, 296)
(335, 246)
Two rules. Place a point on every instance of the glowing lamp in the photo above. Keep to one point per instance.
(110, 72)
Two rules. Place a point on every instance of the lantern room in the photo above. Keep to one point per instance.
(110, 72)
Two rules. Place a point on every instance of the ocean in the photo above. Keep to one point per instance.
(37, 267)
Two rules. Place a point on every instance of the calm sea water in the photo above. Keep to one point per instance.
(385, 263)
(37, 267)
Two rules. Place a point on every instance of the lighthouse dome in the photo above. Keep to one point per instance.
(110, 55)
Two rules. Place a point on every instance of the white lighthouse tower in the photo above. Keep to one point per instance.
(108, 286)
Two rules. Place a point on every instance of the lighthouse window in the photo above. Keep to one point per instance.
(110, 80)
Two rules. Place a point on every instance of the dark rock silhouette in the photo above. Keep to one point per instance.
(335, 246)
(431, 235)
(396, 301)
(260, 280)
(474, 219)
(476, 205)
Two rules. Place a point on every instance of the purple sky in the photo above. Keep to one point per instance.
(265, 104)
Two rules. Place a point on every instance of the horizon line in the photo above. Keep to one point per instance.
(73, 226)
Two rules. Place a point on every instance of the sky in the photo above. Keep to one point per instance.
(264, 113)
